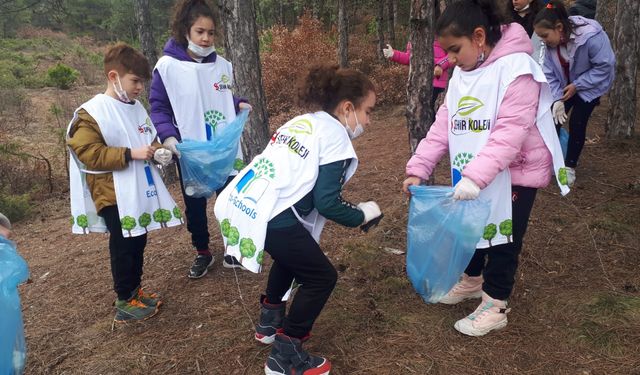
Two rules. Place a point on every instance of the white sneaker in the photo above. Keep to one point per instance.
(571, 176)
(467, 288)
(490, 315)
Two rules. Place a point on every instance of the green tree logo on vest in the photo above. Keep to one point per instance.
(162, 216)
(466, 106)
(127, 223)
(490, 232)
(260, 257)
(459, 162)
(144, 220)
(255, 182)
(177, 214)
(562, 176)
(233, 236)
(212, 119)
(247, 248)
(506, 229)
(83, 223)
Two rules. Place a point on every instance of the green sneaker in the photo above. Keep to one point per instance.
(133, 310)
(149, 299)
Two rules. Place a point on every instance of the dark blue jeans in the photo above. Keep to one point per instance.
(577, 126)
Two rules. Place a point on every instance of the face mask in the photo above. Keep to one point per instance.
(122, 95)
(353, 134)
(200, 51)
(523, 8)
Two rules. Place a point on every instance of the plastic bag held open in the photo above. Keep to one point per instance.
(442, 235)
(206, 165)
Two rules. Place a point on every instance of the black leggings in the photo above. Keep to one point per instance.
(502, 260)
(297, 255)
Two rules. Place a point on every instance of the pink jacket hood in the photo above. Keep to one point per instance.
(514, 39)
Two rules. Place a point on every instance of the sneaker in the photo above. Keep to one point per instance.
(133, 310)
(271, 316)
(149, 299)
(468, 287)
(490, 315)
(288, 358)
(200, 266)
(571, 176)
(229, 261)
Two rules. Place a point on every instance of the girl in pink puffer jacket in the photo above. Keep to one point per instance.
(497, 126)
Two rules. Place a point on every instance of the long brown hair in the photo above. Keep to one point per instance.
(185, 14)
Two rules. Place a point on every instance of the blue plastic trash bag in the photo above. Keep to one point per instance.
(206, 165)
(564, 141)
(13, 271)
(442, 235)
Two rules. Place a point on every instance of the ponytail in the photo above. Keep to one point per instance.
(325, 86)
(461, 18)
(185, 14)
(553, 13)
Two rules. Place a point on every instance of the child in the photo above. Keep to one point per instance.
(113, 186)
(281, 201)
(191, 97)
(13, 272)
(523, 12)
(496, 125)
(584, 8)
(580, 68)
(440, 68)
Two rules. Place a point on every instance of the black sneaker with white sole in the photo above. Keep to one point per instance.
(230, 261)
(200, 266)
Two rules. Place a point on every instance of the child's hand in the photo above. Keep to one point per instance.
(163, 156)
(142, 153)
(437, 71)
(388, 52)
(411, 180)
(569, 92)
(244, 105)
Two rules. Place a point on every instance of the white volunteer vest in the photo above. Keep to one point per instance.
(144, 203)
(277, 179)
(473, 100)
(201, 96)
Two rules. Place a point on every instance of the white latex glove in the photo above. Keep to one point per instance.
(244, 105)
(370, 209)
(170, 143)
(163, 156)
(388, 52)
(466, 190)
(558, 112)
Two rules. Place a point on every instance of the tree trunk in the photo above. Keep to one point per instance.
(380, 23)
(419, 111)
(145, 34)
(343, 37)
(606, 14)
(626, 42)
(391, 21)
(241, 44)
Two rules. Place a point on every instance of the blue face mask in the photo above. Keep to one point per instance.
(200, 51)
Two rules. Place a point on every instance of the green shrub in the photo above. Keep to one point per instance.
(15, 207)
(61, 76)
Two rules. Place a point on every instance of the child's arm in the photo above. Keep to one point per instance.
(602, 60)
(161, 110)
(402, 57)
(549, 72)
(440, 57)
(516, 116)
(431, 148)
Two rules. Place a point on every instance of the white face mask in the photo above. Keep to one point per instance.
(353, 134)
(122, 95)
(200, 51)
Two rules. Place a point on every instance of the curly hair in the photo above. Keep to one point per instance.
(185, 14)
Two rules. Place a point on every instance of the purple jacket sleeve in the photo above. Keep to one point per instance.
(432, 147)
(161, 110)
(602, 61)
(516, 117)
(237, 101)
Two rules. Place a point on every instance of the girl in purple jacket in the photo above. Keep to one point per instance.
(190, 97)
(580, 67)
(497, 127)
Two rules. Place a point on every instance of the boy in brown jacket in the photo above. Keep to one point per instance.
(113, 185)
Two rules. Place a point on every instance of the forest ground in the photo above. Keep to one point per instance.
(575, 307)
